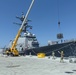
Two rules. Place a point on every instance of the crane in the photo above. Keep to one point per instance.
(13, 51)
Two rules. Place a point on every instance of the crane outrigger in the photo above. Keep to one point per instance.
(13, 51)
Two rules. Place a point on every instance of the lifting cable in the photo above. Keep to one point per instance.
(58, 11)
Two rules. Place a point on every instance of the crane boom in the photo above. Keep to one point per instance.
(13, 48)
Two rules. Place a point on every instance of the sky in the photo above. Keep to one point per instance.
(44, 17)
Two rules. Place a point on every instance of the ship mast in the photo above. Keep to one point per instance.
(24, 29)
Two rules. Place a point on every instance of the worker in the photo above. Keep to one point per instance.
(62, 55)
(53, 54)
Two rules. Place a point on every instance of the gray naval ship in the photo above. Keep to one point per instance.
(28, 44)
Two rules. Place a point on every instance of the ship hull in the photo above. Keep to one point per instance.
(69, 49)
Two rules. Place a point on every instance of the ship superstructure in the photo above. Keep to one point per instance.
(27, 40)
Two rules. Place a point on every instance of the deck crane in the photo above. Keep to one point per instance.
(13, 51)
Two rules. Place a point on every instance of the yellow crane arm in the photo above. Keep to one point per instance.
(15, 40)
